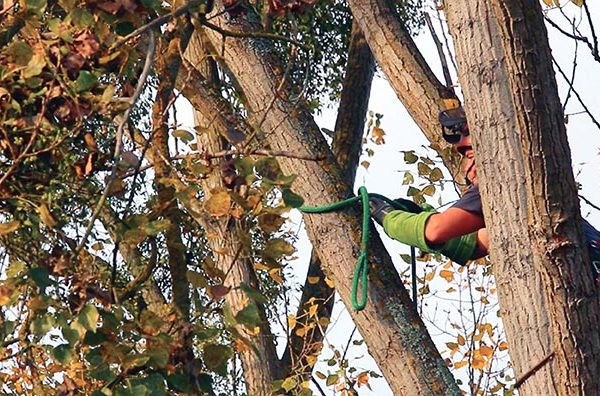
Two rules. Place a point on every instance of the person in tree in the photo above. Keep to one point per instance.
(459, 232)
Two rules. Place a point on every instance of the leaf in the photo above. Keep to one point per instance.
(21, 52)
(277, 248)
(41, 277)
(63, 353)
(218, 291)
(429, 276)
(253, 293)
(36, 6)
(46, 216)
(248, 316)
(460, 364)
(578, 3)
(378, 135)
(332, 379)
(447, 275)
(85, 81)
(503, 346)
(365, 164)
(329, 282)
(408, 178)
(363, 379)
(410, 157)
(184, 135)
(461, 340)
(216, 357)
(218, 204)
(320, 375)
(270, 222)
(423, 169)
(436, 174)
(88, 317)
(486, 351)
(7, 228)
(313, 280)
(289, 383)
(292, 199)
(291, 321)
(429, 190)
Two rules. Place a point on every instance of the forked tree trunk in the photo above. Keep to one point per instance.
(396, 336)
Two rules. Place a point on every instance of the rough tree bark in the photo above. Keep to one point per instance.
(544, 280)
(391, 327)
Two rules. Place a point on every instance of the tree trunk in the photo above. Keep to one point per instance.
(544, 281)
(390, 326)
(214, 117)
(419, 90)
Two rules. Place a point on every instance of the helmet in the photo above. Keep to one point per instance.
(454, 124)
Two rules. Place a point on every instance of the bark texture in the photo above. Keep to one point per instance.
(214, 118)
(547, 298)
(419, 90)
(392, 329)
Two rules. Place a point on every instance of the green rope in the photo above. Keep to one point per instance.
(361, 272)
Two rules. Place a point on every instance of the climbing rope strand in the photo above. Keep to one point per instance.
(361, 272)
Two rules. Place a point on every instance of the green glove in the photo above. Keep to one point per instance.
(409, 228)
(460, 249)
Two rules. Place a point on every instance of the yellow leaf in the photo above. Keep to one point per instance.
(329, 282)
(377, 135)
(46, 216)
(548, 2)
(486, 351)
(429, 276)
(503, 346)
(274, 273)
(447, 275)
(312, 310)
(461, 340)
(362, 379)
(448, 265)
(578, 3)
(460, 364)
(313, 280)
(320, 375)
(365, 164)
(301, 331)
(260, 266)
(5, 295)
(485, 300)
(7, 228)
(291, 320)
(477, 362)
(218, 204)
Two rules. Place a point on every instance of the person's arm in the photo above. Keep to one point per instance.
(452, 223)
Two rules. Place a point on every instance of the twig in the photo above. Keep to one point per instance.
(533, 370)
(268, 153)
(269, 36)
(440, 50)
(587, 201)
(119, 140)
(594, 37)
(576, 93)
(314, 381)
(574, 37)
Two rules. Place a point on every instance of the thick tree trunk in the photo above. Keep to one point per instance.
(544, 280)
(391, 327)
(213, 116)
(346, 146)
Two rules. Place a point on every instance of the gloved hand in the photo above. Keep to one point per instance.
(460, 249)
(379, 209)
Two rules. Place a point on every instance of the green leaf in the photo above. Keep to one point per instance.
(63, 353)
(81, 18)
(289, 383)
(408, 178)
(152, 4)
(41, 277)
(156, 227)
(180, 382)
(248, 315)
(103, 373)
(410, 157)
(268, 168)
(184, 135)
(277, 248)
(85, 81)
(21, 52)
(42, 324)
(34, 67)
(254, 294)
(73, 332)
(36, 6)
(88, 317)
(15, 268)
(413, 192)
(292, 199)
(94, 338)
(216, 357)
(332, 379)
(124, 28)
(423, 169)
(429, 190)
(159, 357)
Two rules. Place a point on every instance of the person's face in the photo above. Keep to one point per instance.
(466, 150)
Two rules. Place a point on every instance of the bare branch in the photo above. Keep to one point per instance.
(119, 141)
